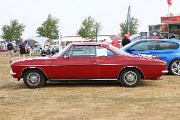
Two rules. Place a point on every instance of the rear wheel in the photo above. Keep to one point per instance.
(175, 67)
(130, 77)
(34, 79)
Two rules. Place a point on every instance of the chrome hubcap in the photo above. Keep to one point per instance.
(33, 78)
(176, 67)
(130, 77)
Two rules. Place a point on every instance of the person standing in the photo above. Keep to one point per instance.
(115, 41)
(125, 40)
(10, 49)
(22, 48)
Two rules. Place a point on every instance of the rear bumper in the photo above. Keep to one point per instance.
(164, 71)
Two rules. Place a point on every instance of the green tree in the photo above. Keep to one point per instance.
(133, 27)
(49, 28)
(13, 31)
(89, 28)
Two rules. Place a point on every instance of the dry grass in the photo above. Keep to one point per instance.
(154, 99)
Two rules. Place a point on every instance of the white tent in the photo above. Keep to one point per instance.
(40, 40)
(1, 40)
(80, 39)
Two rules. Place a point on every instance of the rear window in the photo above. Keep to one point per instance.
(167, 45)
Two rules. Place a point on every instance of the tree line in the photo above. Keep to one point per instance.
(50, 28)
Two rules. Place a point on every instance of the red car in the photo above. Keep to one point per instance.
(88, 60)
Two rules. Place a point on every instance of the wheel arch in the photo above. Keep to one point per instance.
(131, 67)
(33, 68)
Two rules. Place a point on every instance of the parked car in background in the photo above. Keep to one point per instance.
(49, 51)
(87, 60)
(167, 50)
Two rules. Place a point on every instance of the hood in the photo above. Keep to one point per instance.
(30, 59)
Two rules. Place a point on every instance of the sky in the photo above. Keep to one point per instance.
(71, 13)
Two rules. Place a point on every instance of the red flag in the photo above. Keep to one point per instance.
(169, 2)
(115, 41)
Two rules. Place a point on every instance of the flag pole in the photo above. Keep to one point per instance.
(169, 5)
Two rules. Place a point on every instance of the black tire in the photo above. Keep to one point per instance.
(45, 81)
(174, 68)
(134, 77)
(34, 79)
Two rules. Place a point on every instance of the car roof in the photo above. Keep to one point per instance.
(170, 40)
(90, 43)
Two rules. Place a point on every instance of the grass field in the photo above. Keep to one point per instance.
(152, 100)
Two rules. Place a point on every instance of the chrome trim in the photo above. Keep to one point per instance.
(12, 73)
(32, 67)
(85, 79)
(33, 78)
(130, 78)
(175, 67)
(164, 71)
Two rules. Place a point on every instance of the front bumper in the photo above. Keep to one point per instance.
(12, 73)
(164, 71)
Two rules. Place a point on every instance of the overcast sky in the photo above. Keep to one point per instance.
(71, 13)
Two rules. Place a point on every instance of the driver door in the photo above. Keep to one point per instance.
(79, 62)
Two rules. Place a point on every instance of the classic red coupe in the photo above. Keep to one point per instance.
(88, 60)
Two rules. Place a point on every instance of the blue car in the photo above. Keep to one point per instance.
(167, 50)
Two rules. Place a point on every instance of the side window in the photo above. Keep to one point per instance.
(82, 51)
(147, 45)
(102, 51)
(167, 45)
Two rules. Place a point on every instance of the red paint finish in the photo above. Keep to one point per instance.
(74, 68)
(89, 67)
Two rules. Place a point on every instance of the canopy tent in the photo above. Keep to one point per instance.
(80, 39)
(1, 40)
(40, 40)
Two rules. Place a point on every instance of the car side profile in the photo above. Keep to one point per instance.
(87, 60)
(167, 50)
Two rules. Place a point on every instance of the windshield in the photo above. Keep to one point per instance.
(61, 52)
(128, 45)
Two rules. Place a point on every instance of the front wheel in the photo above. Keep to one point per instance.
(130, 77)
(175, 67)
(34, 79)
